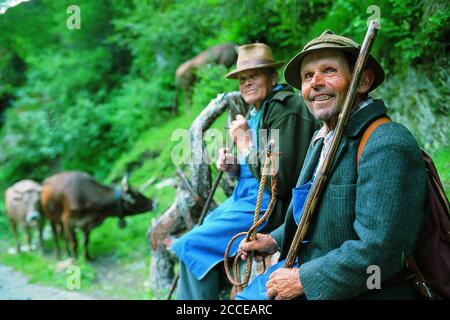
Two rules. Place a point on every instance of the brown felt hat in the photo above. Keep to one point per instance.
(329, 40)
(254, 56)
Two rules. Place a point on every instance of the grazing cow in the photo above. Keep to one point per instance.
(74, 199)
(23, 206)
(224, 54)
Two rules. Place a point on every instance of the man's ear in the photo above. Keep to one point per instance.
(274, 78)
(367, 79)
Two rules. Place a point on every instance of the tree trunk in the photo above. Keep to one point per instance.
(186, 208)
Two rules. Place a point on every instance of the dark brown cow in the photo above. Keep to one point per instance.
(224, 54)
(74, 199)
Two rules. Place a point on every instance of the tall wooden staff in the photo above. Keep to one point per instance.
(321, 179)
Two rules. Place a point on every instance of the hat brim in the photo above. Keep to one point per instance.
(292, 70)
(233, 74)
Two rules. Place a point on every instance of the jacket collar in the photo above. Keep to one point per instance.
(355, 126)
(359, 121)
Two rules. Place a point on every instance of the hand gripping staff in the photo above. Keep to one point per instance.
(320, 181)
(251, 233)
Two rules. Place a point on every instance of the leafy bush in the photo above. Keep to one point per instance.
(420, 105)
(210, 82)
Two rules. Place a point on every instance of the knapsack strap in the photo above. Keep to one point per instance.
(418, 279)
(375, 124)
(411, 266)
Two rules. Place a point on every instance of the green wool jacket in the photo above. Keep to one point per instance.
(372, 217)
(285, 111)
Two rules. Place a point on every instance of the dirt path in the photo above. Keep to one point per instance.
(14, 286)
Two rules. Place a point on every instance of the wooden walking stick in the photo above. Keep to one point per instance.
(321, 179)
(210, 196)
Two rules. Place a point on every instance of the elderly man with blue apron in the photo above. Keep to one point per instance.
(276, 108)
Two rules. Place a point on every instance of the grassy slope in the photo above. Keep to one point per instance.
(441, 159)
(125, 247)
(128, 248)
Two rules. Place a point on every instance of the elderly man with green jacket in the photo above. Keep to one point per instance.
(371, 211)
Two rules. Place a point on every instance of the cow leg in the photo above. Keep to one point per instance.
(74, 240)
(41, 225)
(71, 239)
(86, 233)
(16, 234)
(68, 241)
(29, 238)
(55, 239)
(188, 97)
(67, 230)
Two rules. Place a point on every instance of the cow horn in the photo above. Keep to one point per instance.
(125, 183)
(147, 184)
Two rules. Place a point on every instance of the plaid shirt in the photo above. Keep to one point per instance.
(328, 135)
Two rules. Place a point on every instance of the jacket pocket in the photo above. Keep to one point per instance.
(339, 209)
(342, 190)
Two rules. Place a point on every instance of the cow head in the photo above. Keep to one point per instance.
(30, 199)
(133, 202)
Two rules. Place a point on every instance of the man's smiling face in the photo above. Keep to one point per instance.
(255, 85)
(325, 78)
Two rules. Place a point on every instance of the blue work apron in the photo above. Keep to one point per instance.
(256, 290)
(204, 246)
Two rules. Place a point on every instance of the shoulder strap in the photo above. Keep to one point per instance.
(411, 265)
(375, 124)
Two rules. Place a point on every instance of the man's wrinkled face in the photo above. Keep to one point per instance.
(255, 85)
(325, 80)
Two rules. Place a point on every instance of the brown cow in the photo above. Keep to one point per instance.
(23, 206)
(74, 199)
(224, 54)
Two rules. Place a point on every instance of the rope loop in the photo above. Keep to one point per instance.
(235, 276)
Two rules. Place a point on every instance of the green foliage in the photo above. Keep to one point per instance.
(441, 159)
(416, 102)
(210, 82)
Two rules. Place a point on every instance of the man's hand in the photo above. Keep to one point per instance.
(240, 133)
(263, 245)
(226, 161)
(284, 284)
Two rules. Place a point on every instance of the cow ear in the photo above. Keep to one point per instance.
(17, 196)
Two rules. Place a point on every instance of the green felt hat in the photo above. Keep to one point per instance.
(330, 40)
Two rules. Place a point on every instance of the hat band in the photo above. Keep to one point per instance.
(253, 63)
(330, 41)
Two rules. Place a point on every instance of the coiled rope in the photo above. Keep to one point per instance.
(235, 278)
